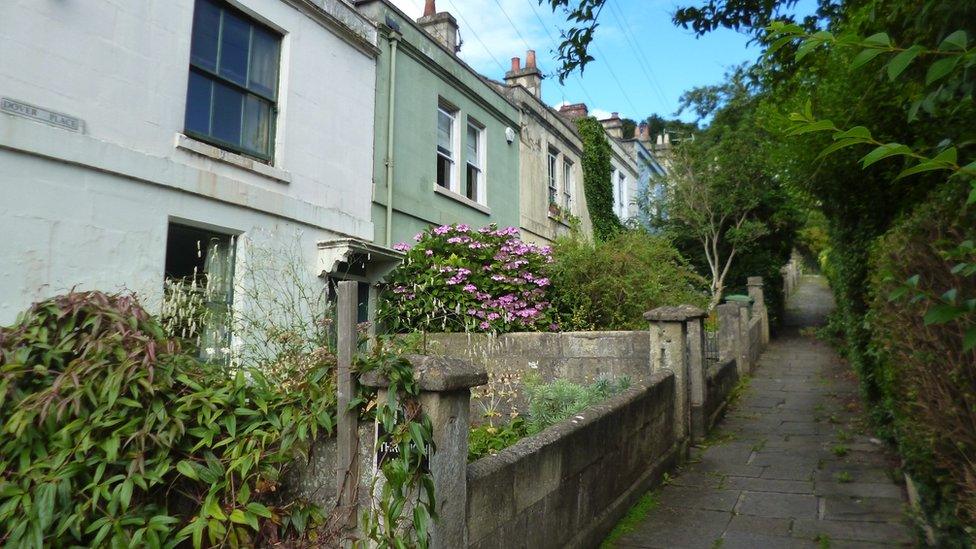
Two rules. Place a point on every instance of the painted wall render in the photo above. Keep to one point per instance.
(90, 209)
(426, 74)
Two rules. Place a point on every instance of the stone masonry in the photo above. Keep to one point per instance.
(792, 465)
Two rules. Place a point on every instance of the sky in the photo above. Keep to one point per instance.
(643, 61)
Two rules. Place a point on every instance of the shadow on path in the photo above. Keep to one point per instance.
(791, 465)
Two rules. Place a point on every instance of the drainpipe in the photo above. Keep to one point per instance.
(390, 124)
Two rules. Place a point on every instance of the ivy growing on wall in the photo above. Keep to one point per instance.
(597, 184)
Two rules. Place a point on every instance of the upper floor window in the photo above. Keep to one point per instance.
(474, 175)
(552, 175)
(567, 183)
(446, 138)
(621, 194)
(233, 88)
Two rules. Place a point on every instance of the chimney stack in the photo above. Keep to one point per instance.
(614, 126)
(643, 132)
(528, 77)
(574, 111)
(441, 25)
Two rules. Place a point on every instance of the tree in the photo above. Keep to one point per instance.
(716, 211)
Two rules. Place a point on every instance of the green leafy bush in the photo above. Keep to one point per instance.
(112, 436)
(550, 403)
(488, 439)
(458, 279)
(610, 285)
(926, 373)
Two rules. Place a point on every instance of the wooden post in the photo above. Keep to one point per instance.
(347, 430)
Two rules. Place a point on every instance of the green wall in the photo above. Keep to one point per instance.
(426, 72)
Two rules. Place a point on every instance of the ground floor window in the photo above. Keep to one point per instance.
(199, 288)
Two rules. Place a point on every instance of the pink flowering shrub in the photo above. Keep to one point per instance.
(457, 279)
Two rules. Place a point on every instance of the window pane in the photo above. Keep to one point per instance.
(471, 186)
(228, 103)
(474, 137)
(257, 125)
(198, 103)
(263, 78)
(206, 30)
(445, 127)
(234, 44)
(444, 172)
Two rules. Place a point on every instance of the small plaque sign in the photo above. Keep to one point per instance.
(27, 110)
(388, 451)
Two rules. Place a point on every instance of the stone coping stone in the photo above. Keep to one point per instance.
(532, 444)
(436, 374)
(716, 368)
(678, 313)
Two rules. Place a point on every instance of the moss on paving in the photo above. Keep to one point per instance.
(635, 515)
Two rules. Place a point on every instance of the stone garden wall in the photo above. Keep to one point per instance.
(722, 376)
(580, 357)
(568, 485)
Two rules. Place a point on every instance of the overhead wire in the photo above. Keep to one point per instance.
(642, 60)
(555, 44)
(476, 37)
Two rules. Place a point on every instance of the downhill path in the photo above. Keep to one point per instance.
(791, 465)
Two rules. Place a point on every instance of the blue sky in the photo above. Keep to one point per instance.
(635, 82)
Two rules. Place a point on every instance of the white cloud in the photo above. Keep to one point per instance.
(494, 40)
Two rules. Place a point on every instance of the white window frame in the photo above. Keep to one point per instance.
(567, 183)
(622, 193)
(481, 191)
(552, 175)
(453, 175)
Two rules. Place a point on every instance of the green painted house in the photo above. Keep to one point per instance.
(445, 137)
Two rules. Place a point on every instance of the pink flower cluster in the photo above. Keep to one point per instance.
(485, 279)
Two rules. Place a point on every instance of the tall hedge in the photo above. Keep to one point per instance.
(597, 179)
(927, 379)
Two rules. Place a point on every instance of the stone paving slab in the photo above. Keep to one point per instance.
(791, 464)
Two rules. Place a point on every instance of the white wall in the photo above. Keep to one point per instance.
(91, 209)
(622, 162)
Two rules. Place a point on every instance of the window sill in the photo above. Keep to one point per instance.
(204, 149)
(559, 220)
(462, 199)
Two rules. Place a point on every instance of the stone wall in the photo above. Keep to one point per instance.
(580, 357)
(577, 356)
(721, 379)
(568, 485)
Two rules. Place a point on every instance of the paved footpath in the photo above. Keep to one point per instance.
(791, 465)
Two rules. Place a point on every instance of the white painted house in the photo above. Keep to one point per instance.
(131, 131)
(626, 172)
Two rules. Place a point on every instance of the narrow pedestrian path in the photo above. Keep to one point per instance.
(792, 464)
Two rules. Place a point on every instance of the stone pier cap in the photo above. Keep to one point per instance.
(674, 313)
(436, 374)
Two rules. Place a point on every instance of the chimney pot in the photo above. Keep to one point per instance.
(429, 8)
(614, 115)
(530, 59)
(516, 64)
